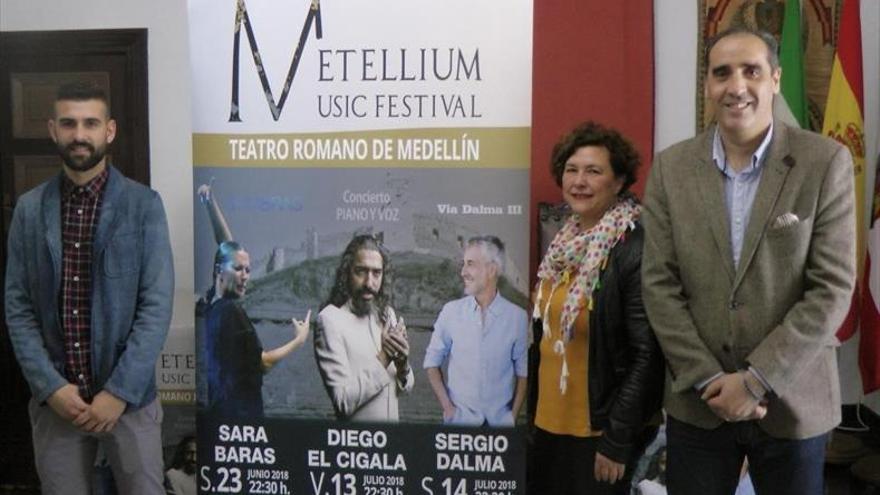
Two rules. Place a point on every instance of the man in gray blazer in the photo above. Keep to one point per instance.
(748, 271)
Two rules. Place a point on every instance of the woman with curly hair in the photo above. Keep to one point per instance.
(600, 370)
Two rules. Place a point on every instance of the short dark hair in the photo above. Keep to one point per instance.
(768, 39)
(82, 91)
(624, 157)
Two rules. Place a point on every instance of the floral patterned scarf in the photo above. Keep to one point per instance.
(582, 255)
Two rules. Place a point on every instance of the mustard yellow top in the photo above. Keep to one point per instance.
(568, 413)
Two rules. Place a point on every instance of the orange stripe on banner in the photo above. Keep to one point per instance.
(849, 47)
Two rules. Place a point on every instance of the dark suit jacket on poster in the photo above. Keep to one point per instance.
(780, 308)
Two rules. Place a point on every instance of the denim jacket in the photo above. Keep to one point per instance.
(132, 289)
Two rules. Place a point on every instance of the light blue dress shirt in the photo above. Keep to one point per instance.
(484, 359)
(740, 189)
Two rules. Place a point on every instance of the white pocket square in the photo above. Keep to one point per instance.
(784, 220)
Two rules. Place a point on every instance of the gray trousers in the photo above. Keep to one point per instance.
(65, 455)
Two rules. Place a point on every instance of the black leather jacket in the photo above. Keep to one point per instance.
(626, 367)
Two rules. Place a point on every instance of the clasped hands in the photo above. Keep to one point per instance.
(395, 346)
(99, 416)
(729, 399)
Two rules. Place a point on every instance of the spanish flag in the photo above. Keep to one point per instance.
(844, 122)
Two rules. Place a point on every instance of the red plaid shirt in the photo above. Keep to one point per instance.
(80, 206)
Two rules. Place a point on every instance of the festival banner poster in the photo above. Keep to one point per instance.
(400, 123)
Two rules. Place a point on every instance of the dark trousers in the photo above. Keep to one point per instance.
(563, 465)
(708, 462)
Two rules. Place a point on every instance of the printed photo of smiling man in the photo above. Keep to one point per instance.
(482, 339)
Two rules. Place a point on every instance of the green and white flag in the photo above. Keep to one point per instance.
(792, 106)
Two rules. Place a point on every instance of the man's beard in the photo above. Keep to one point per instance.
(361, 306)
(189, 468)
(81, 164)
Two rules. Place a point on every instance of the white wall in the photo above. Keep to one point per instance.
(676, 27)
(169, 103)
(675, 69)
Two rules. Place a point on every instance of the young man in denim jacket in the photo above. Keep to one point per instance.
(89, 287)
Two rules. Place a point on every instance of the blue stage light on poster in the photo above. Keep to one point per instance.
(402, 124)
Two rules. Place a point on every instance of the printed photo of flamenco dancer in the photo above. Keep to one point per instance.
(232, 359)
